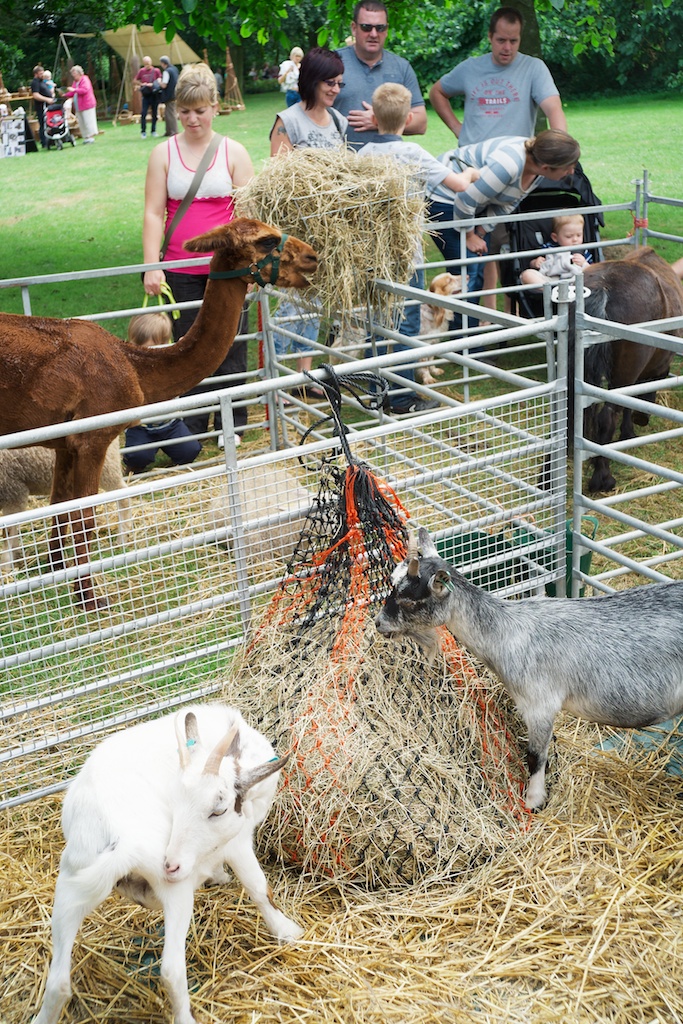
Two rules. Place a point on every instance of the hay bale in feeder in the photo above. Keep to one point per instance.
(364, 216)
(403, 771)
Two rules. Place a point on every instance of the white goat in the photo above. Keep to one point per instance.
(136, 819)
(27, 471)
(616, 660)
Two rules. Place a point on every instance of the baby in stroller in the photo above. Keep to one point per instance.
(567, 230)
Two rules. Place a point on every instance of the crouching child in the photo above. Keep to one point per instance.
(150, 330)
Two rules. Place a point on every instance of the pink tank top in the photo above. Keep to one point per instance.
(212, 205)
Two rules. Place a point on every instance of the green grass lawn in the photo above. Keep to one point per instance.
(82, 208)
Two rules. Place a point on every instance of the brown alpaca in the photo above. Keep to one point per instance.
(54, 371)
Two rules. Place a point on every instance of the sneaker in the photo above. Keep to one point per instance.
(418, 405)
(87, 142)
(143, 135)
(220, 441)
(154, 135)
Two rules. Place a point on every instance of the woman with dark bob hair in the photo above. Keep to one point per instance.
(312, 123)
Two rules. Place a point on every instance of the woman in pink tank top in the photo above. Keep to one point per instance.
(170, 171)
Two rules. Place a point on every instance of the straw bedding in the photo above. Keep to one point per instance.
(577, 921)
(364, 216)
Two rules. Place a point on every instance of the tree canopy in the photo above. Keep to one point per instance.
(593, 47)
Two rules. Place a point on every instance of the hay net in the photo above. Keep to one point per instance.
(402, 771)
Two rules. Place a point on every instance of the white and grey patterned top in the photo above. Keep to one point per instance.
(305, 133)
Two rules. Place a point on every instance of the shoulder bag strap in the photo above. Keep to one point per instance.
(192, 190)
(337, 123)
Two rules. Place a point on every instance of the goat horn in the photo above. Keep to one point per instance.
(250, 778)
(230, 744)
(413, 564)
(187, 735)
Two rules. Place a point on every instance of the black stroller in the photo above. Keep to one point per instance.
(56, 126)
(571, 192)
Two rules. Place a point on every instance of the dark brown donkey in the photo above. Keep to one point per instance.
(637, 289)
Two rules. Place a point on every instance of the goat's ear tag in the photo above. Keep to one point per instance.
(441, 581)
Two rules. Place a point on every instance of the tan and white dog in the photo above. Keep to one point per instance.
(435, 321)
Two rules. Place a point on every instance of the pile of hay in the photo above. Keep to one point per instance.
(577, 921)
(364, 216)
(401, 771)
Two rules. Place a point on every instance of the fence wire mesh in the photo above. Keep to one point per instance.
(184, 561)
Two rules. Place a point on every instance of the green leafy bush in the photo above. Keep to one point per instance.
(261, 85)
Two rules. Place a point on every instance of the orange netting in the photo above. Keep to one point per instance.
(401, 770)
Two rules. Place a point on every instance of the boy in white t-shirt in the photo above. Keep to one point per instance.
(391, 107)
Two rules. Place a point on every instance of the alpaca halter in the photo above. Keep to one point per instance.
(254, 269)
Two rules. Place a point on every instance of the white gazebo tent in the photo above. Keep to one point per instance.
(133, 43)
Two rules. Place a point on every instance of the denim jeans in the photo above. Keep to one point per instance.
(410, 326)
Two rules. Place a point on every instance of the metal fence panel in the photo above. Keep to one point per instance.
(198, 553)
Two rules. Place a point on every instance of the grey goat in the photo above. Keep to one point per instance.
(615, 660)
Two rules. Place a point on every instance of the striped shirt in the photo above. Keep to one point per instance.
(498, 190)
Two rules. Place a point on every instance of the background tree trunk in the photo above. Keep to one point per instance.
(531, 36)
(531, 44)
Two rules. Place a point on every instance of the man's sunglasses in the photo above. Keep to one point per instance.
(369, 28)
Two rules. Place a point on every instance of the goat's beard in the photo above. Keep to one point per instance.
(427, 639)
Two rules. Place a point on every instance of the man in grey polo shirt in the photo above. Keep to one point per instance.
(367, 65)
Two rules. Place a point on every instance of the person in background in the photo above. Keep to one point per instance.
(311, 123)
(41, 98)
(288, 76)
(170, 171)
(85, 104)
(146, 83)
(150, 330)
(169, 81)
(366, 66)
(503, 91)
(391, 104)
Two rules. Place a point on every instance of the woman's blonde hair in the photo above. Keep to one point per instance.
(150, 329)
(554, 148)
(196, 87)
